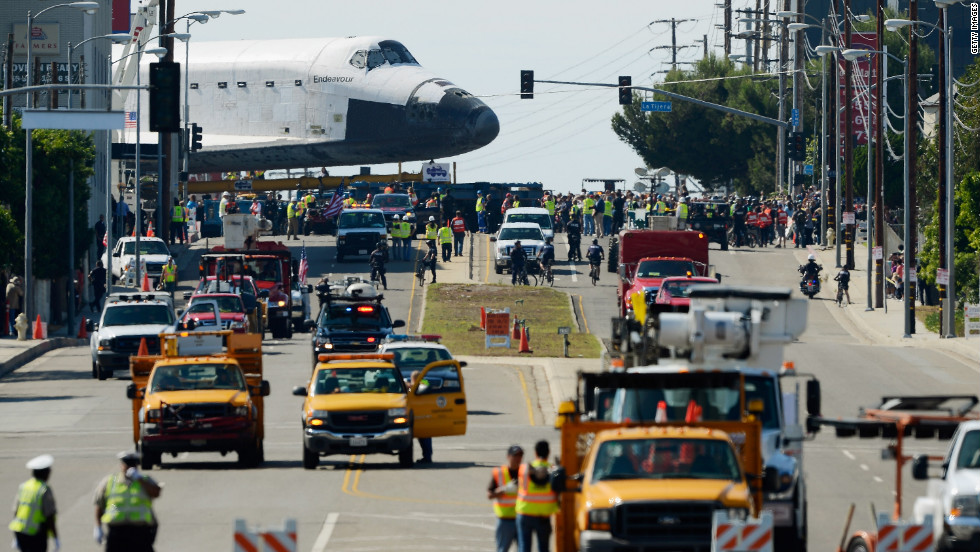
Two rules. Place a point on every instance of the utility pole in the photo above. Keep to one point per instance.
(848, 141)
(781, 132)
(166, 138)
(879, 113)
(728, 28)
(911, 150)
(941, 56)
(756, 45)
(8, 78)
(766, 36)
(673, 39)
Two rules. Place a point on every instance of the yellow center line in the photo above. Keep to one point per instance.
(350, 487)
(527, 396)
(581, 309)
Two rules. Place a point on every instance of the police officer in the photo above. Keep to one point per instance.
(446, 240)
(536, 501)
(34, 509)
(503, 492)
(124, 503)
(574, 231)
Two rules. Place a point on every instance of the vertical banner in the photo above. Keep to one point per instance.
(120, 16)
(864, 74)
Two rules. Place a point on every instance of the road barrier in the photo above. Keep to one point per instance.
(904, 536)
(268, 540)
(741, 535)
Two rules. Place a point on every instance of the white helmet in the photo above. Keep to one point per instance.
(396, 217)
(811, 257)
(432, 219)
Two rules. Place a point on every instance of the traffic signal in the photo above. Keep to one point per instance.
(196, 137)
(527, 84)
(165, 97)
(799, 146)
(625, 92)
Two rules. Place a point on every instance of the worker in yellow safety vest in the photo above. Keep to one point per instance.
(549, 204)
(446, 241)
(34, 516)
(660, 207)
(536, 501)
(589, 203)
(481, 215)
(431, 229)
(169, 276)
(291, 219)
(124, 503)
(398, 235)
(503, 492)
(178, 222)
(682, 214)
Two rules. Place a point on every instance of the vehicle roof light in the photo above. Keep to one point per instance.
(324, 357)
(365, 308)
(431, 337)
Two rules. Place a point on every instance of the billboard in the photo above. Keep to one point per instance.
(46, 39)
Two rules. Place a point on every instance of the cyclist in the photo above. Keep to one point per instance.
(595, 254)
(378, 259)
(843, 279)
(429, 260)
(546, 256)
(518, 261)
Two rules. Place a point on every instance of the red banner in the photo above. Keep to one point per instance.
(864, 79)
(120, 16)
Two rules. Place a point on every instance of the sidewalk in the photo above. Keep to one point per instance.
(14, 354)
(879, 327)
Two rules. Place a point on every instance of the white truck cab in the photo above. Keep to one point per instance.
(954, 498)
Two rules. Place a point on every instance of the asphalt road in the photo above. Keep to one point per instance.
(354, 503)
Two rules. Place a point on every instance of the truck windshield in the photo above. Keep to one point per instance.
(520, 234)
(265, 270)
(666, 459)
(389, 201)
(679, 290)
(408, 359)
(541, 219)
(137, 314)
(663, 268)
(969, 456)
(147, 247)
(354, 316)
(330, 381)
(225, 303)
(361, 220)
(718, 399)
(188, 377)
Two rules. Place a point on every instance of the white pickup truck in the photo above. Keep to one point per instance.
(954, 499)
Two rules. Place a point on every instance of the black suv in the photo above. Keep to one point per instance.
(350, 322)
(715, 226)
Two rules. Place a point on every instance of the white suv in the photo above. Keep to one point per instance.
(126, 320)
(530, 236)
(537, 215)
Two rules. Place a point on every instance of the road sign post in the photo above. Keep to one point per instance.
(564, 331)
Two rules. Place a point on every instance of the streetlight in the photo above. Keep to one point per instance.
(115, 38)
(89, 8)
(894, 25)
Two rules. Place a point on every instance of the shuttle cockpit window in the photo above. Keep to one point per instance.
(396, 53)
(359, 59)
(375, 59)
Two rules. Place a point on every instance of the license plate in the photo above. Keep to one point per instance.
(198, 442)
(362, 251)
(358, 441)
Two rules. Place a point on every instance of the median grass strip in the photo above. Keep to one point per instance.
(453, 311)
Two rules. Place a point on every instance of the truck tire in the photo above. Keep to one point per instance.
(498, 269)
(288, 329)
(310, 459)
(612, 261)
(101, 372)
(149, 458)
(857, 544)
(406, 456)
(248, 457)
(724, 245)
(95, 370)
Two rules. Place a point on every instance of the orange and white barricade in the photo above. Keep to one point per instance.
(268, 540)
(904, 536)
(741, 535)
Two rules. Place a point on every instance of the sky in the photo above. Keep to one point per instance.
(561, 136)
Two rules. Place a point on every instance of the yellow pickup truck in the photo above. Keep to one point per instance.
(203, 394)
(360, 404)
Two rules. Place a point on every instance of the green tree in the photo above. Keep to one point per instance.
(966, 239)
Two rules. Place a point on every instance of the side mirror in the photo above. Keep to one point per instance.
(770, 480)
(813, 397)
(398, 324)
(131, 391)
(187, 295)
(718, 276)
(493, 238)
(264, 294)
(115, 253)
(422, 388)
(263, 389)
(812, 425)
(299, 391)
(920, 467)
(463, 364)
(621, 270)
(309, 324)
(91, 325)
(189, 324)
(559, 480)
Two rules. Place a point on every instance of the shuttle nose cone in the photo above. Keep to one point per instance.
(485, 127)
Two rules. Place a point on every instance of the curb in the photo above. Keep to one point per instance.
(39, 350)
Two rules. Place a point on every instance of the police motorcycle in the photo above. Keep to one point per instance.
(810, 284)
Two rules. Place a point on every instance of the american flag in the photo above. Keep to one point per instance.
(336, 203)
(304, 267)
(130, 119)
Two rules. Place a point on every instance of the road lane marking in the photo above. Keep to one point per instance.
(865, 467)
(878, 479)
(324, 537)
(350, 487)
(849, 455)
(571, 263)
(527, 396)
(581, 309)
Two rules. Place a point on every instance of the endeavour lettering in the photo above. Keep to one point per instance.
(317, 79)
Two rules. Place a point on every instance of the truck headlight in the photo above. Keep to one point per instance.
(317, 418)
(237, 324)
(241, 411)
(600, 519)
(965, 506)
(281, 303)
(324, 342)
(152, 415)
(341, 238)
(398, 416)
(105, 344)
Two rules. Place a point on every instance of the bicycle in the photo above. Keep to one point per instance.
(594, 273)
(523, 278)
(548, 275)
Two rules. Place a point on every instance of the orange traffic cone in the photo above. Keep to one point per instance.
(146, 282)
(483, 318)
(693, 412)
(525, 346)
(149, 231)
(38, 329)
(143, 350)
(661, 416)
(516, 334)
(82, 334)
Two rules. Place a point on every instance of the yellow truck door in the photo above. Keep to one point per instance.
(438, 400)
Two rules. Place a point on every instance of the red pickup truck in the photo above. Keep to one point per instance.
(646, 257)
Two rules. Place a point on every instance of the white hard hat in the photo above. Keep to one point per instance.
(42, 462)
(432, 219)
(396, 217)
(226, 194)
(811, 257)
(363, 290)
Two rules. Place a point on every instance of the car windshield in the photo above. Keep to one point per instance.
(187, 377)
(147, 247)
(136, 314)
(718, 397)
(354, 316)
(541, 219)
(663, 268)
(225, 304)
(354, 219)
(666, 459)
(526, 233)
(392, 201)
(969, 456)
(408, 359)
(337, 381)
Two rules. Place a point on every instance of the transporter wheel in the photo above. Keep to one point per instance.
(857, 544)
(149, 458)
(310, 459)
(724, 244)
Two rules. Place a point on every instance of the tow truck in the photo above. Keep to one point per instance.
(728, 347)
(359, 404)
(205, 392)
